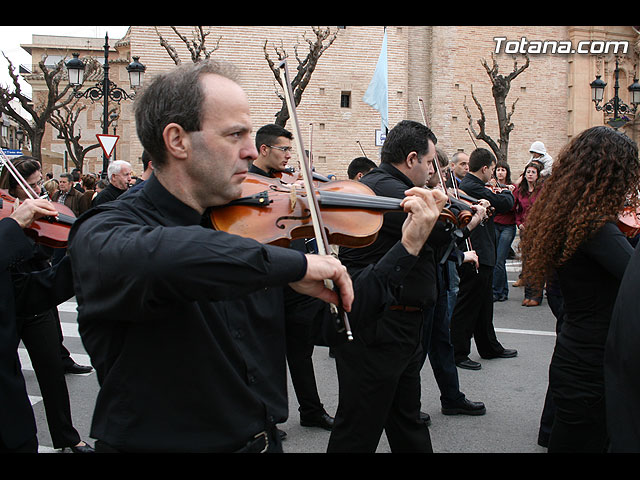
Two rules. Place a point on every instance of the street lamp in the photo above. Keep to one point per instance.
(105, 89)
(615, 107)
(19, 137)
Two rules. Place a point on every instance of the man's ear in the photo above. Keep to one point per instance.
(176, 140)
(411, 159)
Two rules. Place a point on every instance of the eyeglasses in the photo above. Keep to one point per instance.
(282, 149)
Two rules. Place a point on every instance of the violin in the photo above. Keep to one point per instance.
(48, 231)
(289, 175)
(628, 221)
(275, 213)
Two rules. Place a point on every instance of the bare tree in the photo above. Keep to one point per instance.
(305, 67)
(500, 89)
(41, 111)
(64, 120)
(197, 45)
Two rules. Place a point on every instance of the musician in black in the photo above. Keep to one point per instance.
(273, 144)
(473, 313)
(25, 294)
(379, 372)
(576, 235)
(164, 287)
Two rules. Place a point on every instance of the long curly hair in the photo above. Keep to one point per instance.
(594, 175)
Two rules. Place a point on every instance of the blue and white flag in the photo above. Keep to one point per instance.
(377, 93)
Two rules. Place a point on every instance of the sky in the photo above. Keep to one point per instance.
(11, 37)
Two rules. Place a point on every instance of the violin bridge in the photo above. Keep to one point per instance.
(293, 197)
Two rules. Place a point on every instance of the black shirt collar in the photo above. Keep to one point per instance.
(393, 171)
(169, 206)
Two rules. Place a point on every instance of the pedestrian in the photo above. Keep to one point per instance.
(505, 227)
(525, 195)
(118, 175)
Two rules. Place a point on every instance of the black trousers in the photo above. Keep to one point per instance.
(473, 314)
(40, 335)
(300, 361)
(379, 389)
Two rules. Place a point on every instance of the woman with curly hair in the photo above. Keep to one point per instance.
(571, 230)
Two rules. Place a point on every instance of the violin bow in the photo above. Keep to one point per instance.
(361, 149)
(437, 162)
(318, 226)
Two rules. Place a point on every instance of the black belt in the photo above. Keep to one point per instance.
(405, 308)
(258, 444)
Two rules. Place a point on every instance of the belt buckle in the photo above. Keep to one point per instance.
(266, 440)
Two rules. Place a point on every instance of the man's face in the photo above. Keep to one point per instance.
(222, 149)
(278, 155)
(424, 169)
(461, 168)
(64, 185)
(121, 180)
(485, 172)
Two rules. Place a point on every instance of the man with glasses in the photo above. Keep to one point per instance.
(274, 150)
(273, 144)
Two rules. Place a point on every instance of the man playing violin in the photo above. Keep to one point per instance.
(473, 312)
(379, 372)
(215, 300)
(273, 144)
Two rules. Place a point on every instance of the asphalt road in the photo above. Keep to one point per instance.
(513, 389)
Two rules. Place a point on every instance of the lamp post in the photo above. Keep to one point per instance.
(105, 89)
(615, 107)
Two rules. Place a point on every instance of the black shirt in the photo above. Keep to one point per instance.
(107, 195)
(589, 281)
(622, 363)
(185, 324)
(483, 237)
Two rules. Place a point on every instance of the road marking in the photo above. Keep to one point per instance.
(526, 332)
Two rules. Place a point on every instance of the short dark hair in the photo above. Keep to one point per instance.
(407, 136)
(68, 176)
(360, 165)
(268, 134)
(480, 157)
(146, 158)
(175, 96)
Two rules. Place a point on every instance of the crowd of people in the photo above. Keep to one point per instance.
(239, 312)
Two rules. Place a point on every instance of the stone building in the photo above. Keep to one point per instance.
(440, 64)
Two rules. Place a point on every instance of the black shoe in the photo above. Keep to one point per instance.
(466, 407)
(85, 448)
(282, 434)
(468, 364)
(425, 418)
(506, 353)
(78, 369)
(322, 420)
